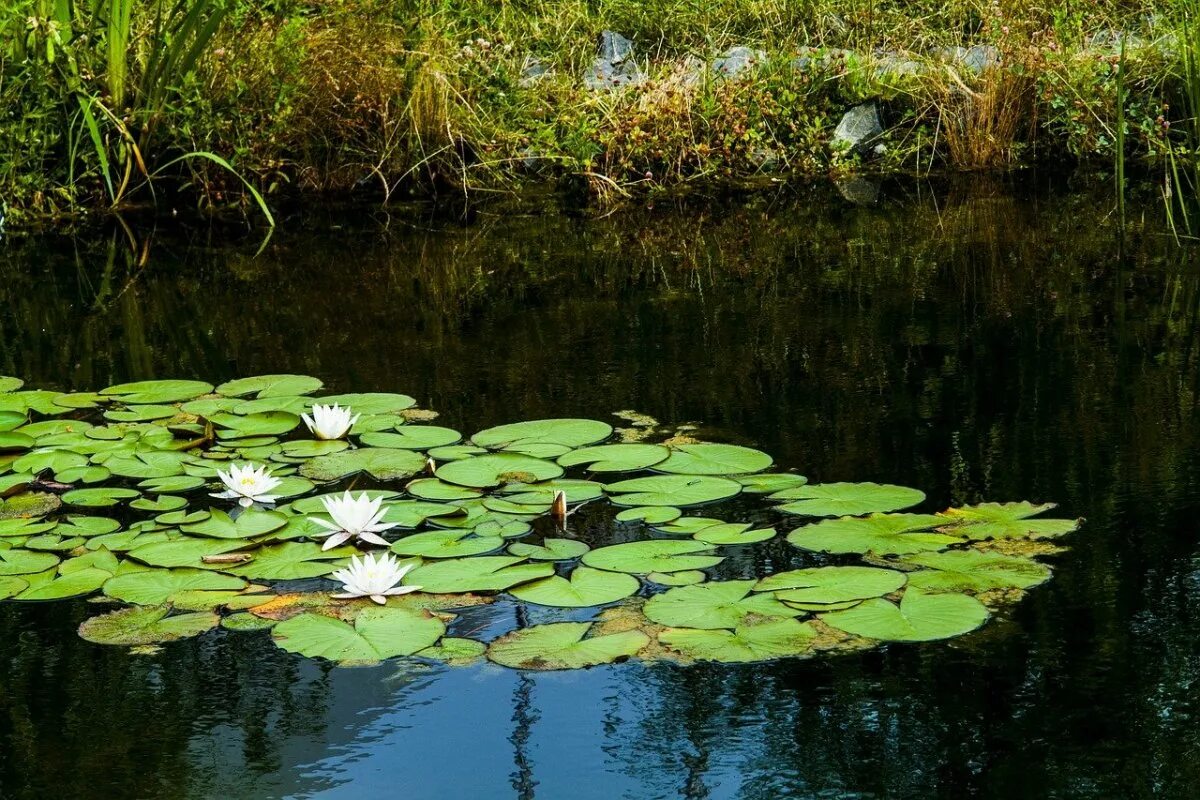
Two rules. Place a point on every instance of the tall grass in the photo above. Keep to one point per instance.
(1182, 182)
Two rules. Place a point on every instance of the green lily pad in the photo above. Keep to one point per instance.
(142, 626)
(270, 386)
(714, 459)
(719, 604)
(15, 440)
(585, 587)
(446, 544)
(11, 585)
(570, 433)
(413, 513)
(76, 525)
(185, 551)
(920, 617)
(245, 621)
(672, 490)
(731, 534)
(292, 561)
(477, 574)
(688, 577)
(412, 437)
(549, 550)
(10, 384)
(762, 640)
(169, 391)
(846, 499)
(433, 489)
(377, 634)
(825, 585)
(381, 463)
(60, 587)
(174, 484)
(248, 525)
(143, 413)
(1009, 521)
(19, 508)
(268, 423)
(456, 452)
(883, 534)
(651, 515)
(310, 448)
(974, 571)
(653, 555)
(455, 651)
(370, 403)
(162, 504)
(100, 497)
(496, 468)
(770, 483)
(25, 562)
(563, 645)
(534, 494)
(153, 587)
(616, 457)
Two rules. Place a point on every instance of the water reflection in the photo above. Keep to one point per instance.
(973, 343)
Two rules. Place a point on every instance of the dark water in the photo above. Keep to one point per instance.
(970, 341)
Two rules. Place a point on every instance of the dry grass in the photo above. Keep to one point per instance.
(981, 124)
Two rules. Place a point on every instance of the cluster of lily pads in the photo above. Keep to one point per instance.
(194, 506)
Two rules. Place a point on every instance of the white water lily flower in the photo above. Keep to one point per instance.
(376, 578)
(248, 485)
(330, 422)
(354, 518)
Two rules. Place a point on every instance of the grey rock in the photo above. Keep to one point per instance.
(859, 190)
(893, 64)
(980, 57)
(615, 65)
(859, 128)
(533, 71)
(737, 60)
(614, 48)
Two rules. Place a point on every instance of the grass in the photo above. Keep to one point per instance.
(220, 103)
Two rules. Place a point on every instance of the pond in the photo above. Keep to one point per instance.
(981, 342)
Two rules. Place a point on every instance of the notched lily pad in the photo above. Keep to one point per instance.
(563, 645)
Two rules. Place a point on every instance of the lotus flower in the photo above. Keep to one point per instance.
(354, 518)
(372, 577)
(248, 485)
(330, 422)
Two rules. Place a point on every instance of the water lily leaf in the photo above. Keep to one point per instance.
(1009, 521)
(371, 403)
(74, 584)
(496, 468)
(292, 561)
(456, 452)
(653, 555)
(731, 534)
(549, 550)
(510, 529)
(455, 651)
(616, 457)
(446, 544)
(206, 407)
(377, 634)
(99, 497)
(154, 587)
(270, 386)
(412, 437)
(25, 562)
(311, 448)
(672, 490)
(11, 441)
(477, 574)
(585, 587)
(248, 525)
(39, 400)
(52, 541)
(162, 504)
(413, 513)
(770, 483)
(381, 463)
(826, 585)
(290, 404)
(245, 621)
(42, 459)
(141, 626)
(720, 604)
(25, 505)
(11, 420)
(268, 423)
(142, 413)
(433, 489)
(568, 433)
(88, 474)
(175, 484)
(19, 526)
(884, 534)
(169, 391)
(687, 577)
(539, 494)
(504, 506)
(211, 600)
(186, 551)
(10, 586)
(846, 499)
(76, 525)
(10, 384)
(562, 645)
(651, 515)
(974, 571)
(128, 539)
(751, 641)
(714, 459)
(80, 399)
(920, 617)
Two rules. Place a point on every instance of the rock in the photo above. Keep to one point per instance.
(615, 65)
(737, 60)
(893, 64)
(859, 190)
(1110, 41)
(980, 57)
(533, 71)
(859, 127)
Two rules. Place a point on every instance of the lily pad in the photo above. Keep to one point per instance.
(497, 468)
(477, 574)
(60, 587)
(268, 423)
(846, 499)
(455, 651)
(412, 437)
(270, 386)
(760, 640)
(688, 577)
(248, 525)
(446, 544)
(974, 571)
(434, 489)
(245, 621)
(1009, 521)
(563, 645)
(142, 626)
(770, 483)
(185, 551)
(714, 459)
(381, 463)
(731, 534)
(585, 587)
(570, 433)
(825, 585)
(370, 403)
(651, 515)
(616, 457)
(883, 534)
(292, 561)
(25, 562)
(376, 634)
(920, 617)
(100, 497)
(653, 555)
(168, 391)
(549, 550)
(719, 604)
(672, 490)
(154, 587)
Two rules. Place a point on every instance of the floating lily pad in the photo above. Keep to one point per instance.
(172, 485)
(143, 413)
(310, 448)
(100, 497)
(974, 571)
(185, 551)
(585, 587)
(381, 463)
(920, 617)
(245, 621)
(456, 452)
(446, 544)
(651, 515)
(883, 534)
(455, 651)
(370, 403)
(770, 483)
(268, 423)
(15, 440)
(762, 640)
(377, 634)
(292, 561)
(714, 459)
(687, 577)
(141, 626)
(477, 574)
(25, 562)
(162, 504)
(169, 391)
(154, 587)
(688, 526)
(549, 550)
(270, 386)
(18, 509)
(412, 437)
(653, 555)
(616, 457)
(570, 433)
(532, 494)
(248, 525)
(562, 645)
(731, 534)
(846, 499)
(10, 384)
(11, 585)
(45, 586)
(824, 585)
(497, 468)
(719, 604)
(1009, 521)
(434, 489)
(672, 490)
